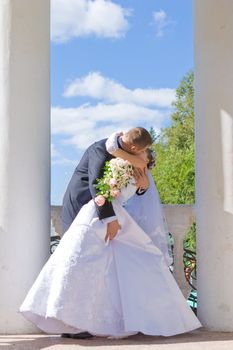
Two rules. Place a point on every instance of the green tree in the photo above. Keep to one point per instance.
(153, 134)
(174, 172)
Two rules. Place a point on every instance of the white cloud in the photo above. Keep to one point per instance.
(161, 22)
(96, 86)
(85, 124)
(59, 159)
(77, 18)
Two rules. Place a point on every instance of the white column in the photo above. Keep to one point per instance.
(213, 28)
(24, 153)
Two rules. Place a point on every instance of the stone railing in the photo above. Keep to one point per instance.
(179, 219)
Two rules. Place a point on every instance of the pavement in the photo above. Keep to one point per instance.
(200, 339)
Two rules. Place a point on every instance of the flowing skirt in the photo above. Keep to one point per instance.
(113, 289)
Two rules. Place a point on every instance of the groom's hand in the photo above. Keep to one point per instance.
(112, 229)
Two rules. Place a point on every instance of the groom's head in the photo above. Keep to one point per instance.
(136, 140)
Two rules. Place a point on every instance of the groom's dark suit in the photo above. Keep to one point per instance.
(80, 188)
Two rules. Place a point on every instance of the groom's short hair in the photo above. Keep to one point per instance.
(138, 136)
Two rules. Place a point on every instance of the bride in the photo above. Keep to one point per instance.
(111, 289)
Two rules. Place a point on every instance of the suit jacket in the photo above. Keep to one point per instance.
(81, 187)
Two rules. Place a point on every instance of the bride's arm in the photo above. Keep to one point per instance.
(134, 160)
(113, 148)
(139, 164)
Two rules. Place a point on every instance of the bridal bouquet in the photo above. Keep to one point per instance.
(117, 174)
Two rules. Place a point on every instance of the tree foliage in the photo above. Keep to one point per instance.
(174, 172)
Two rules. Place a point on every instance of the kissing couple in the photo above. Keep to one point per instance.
(109, 275)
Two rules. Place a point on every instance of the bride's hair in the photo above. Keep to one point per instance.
(138, 136)
(151, 158)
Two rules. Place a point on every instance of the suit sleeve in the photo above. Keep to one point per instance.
(97, 157)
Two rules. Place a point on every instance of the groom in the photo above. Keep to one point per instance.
(81, 187)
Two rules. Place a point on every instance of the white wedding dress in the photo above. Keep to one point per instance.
(113, 289)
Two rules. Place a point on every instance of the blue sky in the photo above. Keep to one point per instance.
(114, 65)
